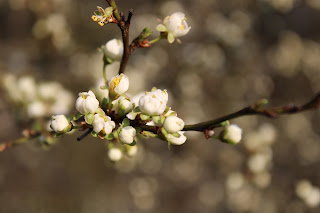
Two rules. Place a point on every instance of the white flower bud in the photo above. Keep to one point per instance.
(123, 104)
(232, 134)
(154, 103)
(177, 141)
(87, 103)
(114, 49)
(27, 88)
(103, 123)
(115, 154)
(175, 25)
(119, 83)
(59, 123)
(173, 124)
(127, 134)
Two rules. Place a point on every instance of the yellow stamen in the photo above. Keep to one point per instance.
(182, 27)
(94, 18)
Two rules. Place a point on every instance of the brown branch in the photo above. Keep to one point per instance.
(254, 109)
(84, 134)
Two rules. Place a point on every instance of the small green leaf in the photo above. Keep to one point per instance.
(108, 11)
(77, 116)
(89, 118)
(161, 28)
(104, 103)
(126, 122)
(137, 109)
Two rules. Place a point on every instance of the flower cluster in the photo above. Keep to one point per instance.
(103, 16)
(119, 120)
(39, 100)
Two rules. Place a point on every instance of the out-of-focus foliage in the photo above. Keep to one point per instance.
(236, 52)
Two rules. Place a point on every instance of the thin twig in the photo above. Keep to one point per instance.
(254, 109)
(84, 134)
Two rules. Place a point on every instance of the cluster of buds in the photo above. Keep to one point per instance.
(104, 16)
(119, 120)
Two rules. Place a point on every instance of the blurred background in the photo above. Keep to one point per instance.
(236, 53)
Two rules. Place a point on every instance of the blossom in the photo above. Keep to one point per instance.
(173, 124)
(121, 104)
(177, 140)
(103, 16)
(103, 123)
(175, 25)
(127, 134)
(119, 83)
(59, 123)
(232, 134)
(154, 103)
(36, 109)
(114, 49)
(115, 154)
(87, 103)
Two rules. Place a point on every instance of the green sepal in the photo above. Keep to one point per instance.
(109, 137)
(77, 116)
(99, 111)
(170, 38)
(68, 128)
(162, 118)
(58, 134)
(89, 118)
(164, 132)
(125, 122)
(156, 118)
(133, 143)
(177, 135)
(225, 123)
(144, 117)
(161, 28)
(109, 60)
(112, 95)
(94, 134)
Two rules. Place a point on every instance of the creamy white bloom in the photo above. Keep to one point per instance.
(115, 154)
(87, 103)
(121, 103)
(59, 123)
(233, 133)
(27, 88)
(154, 103)
(175, 25)
(173, 124)
(177, 141)
(36, 109)
(127, 134)
(49, 90)
(103, 123)
(114, 49)
(63, 103)
(119, 83)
